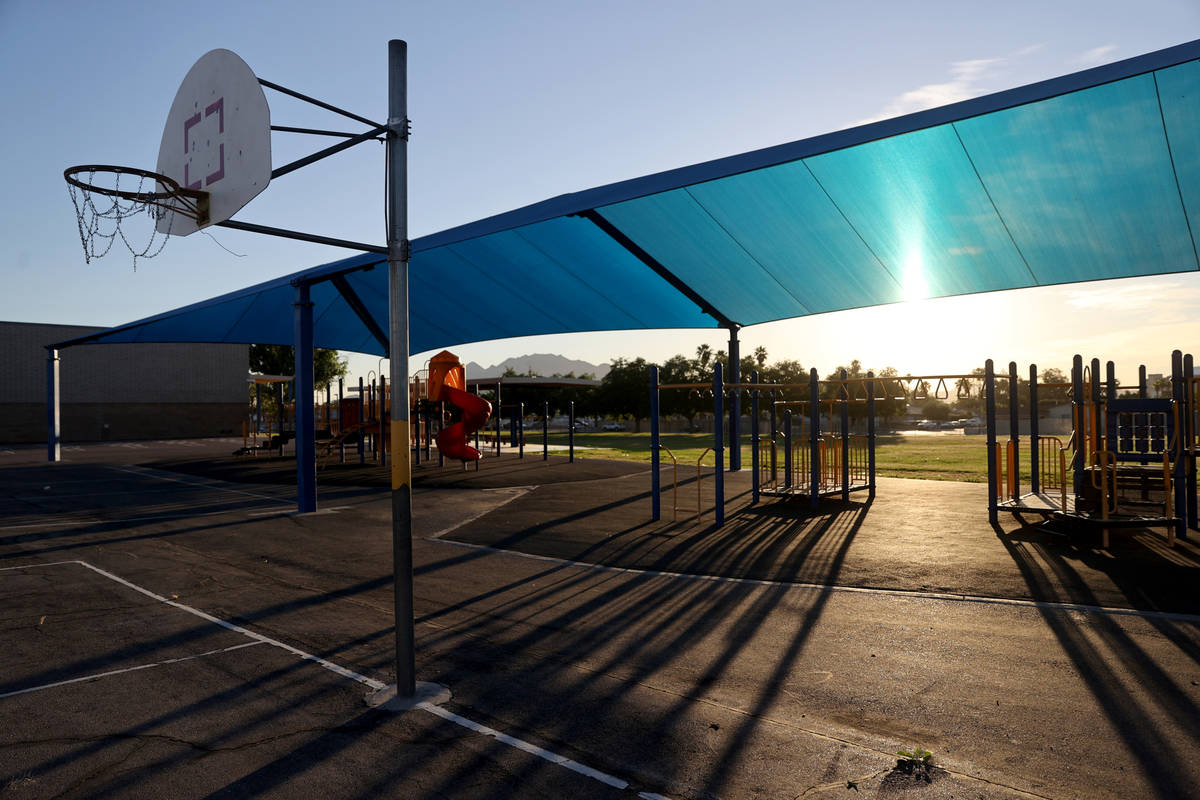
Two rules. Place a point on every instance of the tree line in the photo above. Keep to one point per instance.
(624, 393)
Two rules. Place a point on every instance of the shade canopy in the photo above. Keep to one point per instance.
(1091, 176)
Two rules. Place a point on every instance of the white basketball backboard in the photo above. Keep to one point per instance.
(217, 139)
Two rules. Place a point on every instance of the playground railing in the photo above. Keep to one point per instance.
(1052, 462)
(674, 483)
(1104, 480)
(860, 459)
(768, 478)
(699, 473)
(1006, 469)
(801, 452)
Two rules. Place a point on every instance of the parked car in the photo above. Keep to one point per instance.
(613, 426)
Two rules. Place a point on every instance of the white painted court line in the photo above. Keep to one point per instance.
(281, 512)
(329, 665)
(520, 744)
(449, 716)
(517, 493)
(99, 675)
(164, 476)
(69, 523)
(40, 564)
(897, 593)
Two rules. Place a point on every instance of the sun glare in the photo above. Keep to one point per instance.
(912, 280)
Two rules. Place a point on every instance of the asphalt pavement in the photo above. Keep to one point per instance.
(177, 634)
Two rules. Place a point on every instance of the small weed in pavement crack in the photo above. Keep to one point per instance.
(916, 762)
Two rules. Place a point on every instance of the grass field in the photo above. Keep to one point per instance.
(951, 457)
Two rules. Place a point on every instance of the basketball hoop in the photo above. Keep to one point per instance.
(100, 224)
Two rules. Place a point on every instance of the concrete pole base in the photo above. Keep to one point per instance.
(386, 699)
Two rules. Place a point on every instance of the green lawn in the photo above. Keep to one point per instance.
(944, 458)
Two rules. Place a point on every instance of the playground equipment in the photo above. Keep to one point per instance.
(810, 449)
(1130, 461)
(815, 462)
(275, 429)
(447, 383)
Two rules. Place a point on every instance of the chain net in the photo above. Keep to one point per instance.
(103, 218)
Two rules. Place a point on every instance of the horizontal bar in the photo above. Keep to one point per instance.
(328, 151)
(313, 131)
(283, 233)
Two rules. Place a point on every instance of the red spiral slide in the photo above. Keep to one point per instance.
(452, 441)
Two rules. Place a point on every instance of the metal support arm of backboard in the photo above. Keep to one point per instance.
(317, 103)
(333, 149)
(284, 233)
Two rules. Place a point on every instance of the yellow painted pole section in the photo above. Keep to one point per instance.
(401, 454)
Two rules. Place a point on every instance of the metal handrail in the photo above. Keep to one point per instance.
(699, 502)
(674, 483)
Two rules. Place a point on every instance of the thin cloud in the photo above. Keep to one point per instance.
(967, 79)
(964, 83)
(1096, 56)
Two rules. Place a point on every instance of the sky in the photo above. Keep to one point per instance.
(512, 103)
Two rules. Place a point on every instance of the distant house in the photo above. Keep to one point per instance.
(119, 391)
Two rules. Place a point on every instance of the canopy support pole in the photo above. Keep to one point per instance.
(735, 401)
(306, 439)
(53, 416)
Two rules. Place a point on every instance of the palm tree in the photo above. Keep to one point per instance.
(760, 356)
(703, 354)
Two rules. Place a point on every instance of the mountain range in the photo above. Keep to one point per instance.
(543, 364)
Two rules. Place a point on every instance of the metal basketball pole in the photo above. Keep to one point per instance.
(397, 246)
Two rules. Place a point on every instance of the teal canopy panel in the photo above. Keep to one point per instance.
(1090, 176)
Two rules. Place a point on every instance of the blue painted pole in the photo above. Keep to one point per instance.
(1035, 454)
(1189, 436)
(1178, 478)
(362, 419)
(385, 417)
(787, 448)
(341, 423)
(718, 444)
(871, 435)
(993, 464)
(416, 433)
(655, 478)
(735, 402)
(774, 423)
(477, 437)
(1079, 404)
(845, 405)
(1014, 427)
(814, 412)
(754, 487)
(306, 464)
(53, 407)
